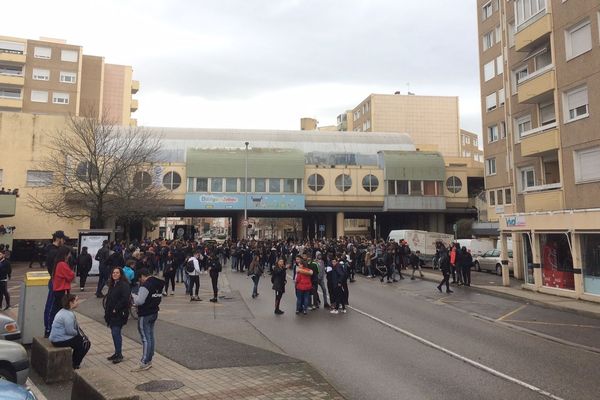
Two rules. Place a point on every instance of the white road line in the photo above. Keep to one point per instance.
(459, 357)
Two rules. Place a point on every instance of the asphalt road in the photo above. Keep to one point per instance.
(408, 341)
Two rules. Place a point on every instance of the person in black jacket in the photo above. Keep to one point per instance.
(84, 265)
(169, 271)
(58, 240)
(279, 279)
(5, 273)
(214, 267)
(444, 261)
(116, 310)
(465, 262)
(147, 301)
(102, 258)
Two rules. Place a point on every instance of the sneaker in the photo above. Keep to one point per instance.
(213, 300)
(449, 291)
(112, 357)
(278, 312)
(81, 289)
(334, 311)
(117, 359)
(344, 311)
(142, 367)
(304, 312)
(439, 288)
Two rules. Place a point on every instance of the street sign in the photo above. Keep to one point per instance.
(321, 228)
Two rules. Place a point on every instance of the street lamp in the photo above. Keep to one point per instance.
(246, 193)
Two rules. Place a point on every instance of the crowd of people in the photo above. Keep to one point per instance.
(140, 274)
(9, 191)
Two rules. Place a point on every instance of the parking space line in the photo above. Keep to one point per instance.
(553, 324)
(512, 312)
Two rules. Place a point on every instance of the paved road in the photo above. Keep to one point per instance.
(367, 354)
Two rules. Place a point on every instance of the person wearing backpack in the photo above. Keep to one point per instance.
(214, 267)
(192, 269)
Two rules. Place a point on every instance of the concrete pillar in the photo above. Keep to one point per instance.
(504, 259)
(239, 227)
(518, 262)
(577, 263)
(537, 263)
(339, 224)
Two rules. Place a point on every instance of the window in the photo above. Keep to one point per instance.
(243, 185)
(590, 261)
(370, 183)
(343, 182)
(60, 98)
(547, 114)
(401, 187)
(454, 184)
(68, 77)
(172, 180)
(9, 93)
(415, 188)
(499, 65)
(42, 52)
(475, 142)
(429, 188)
(507, 196)
(518, 75)
(299, 187)
(12, 47)
(86, 170)
(39, 178)
(489, 71)
(288, 185)
(488, 40)
(543, 59)
(492, 133)
(260, 185)
(526, 178)
(511, 34)
(202, 185)
(502, 129)
(528, 9)
(490, 102)
(316, 182)
(587, 165)
(274, 185)
(501, 96)
(576, 104)
(490, 166)
(391, 188)
(523, 125)
(39, 96)
(40, 74)
(142, 180)
(216, 185)
(69, 55)
(500, 197)
(231, 185)
(492, 197)
(486, 11)
(578, 39)
(498, 34)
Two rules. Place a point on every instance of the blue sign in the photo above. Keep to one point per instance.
(255, 201)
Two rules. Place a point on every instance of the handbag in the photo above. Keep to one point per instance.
(84, 339)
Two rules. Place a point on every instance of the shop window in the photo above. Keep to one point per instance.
(557, 261)
(590, 257)
(528, 259)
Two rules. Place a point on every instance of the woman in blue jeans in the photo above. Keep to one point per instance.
(116, 310)
(255, 271)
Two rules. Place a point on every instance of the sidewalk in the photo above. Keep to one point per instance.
(515, 290)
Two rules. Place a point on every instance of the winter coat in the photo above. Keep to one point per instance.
(63, 276)
(116, 312)
(279, 279)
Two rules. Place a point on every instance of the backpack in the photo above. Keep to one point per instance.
(189, 266)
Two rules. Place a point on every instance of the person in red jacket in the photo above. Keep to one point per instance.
(62, 278)
(303, 287)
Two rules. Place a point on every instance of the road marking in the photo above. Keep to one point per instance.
(553, 323)
(459, 357)
(512, 312)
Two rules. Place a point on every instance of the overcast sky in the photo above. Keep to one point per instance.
(267, 63)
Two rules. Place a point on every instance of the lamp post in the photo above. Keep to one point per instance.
(246, 194)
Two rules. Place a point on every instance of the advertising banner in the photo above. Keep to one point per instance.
(93, 241)
(255, 201)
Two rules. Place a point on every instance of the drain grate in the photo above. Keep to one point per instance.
(160, 386)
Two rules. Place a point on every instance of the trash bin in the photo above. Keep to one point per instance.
(34, 291)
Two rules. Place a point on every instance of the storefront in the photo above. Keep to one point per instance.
(557, 252)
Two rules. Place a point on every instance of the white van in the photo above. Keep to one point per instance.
(477, 246)
(422, 241)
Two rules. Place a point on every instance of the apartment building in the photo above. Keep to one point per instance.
(469, 146)
(50, 76)
(540, 75)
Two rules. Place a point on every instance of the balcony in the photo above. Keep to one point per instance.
(8, 204)
(536, 85)
(16, 103)
(544, 198)
(134, 105)
(530, 34)
(133, 122)
(540, 140)
(11, 79)
(135, 86)
(12, 57)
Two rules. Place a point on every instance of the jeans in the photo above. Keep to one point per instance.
(302, 299)
(179, 274)
(80, 348)
(146, 330)
(48, 309)
(102, 280)
(324, 289)
(4, 293)
(255, 279)
(117, 339)
(194, 283)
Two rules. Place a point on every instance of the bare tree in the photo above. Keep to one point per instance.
(94, 165)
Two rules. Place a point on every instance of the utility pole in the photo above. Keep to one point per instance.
(246, 194)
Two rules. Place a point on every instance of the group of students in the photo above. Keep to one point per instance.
(456, 261)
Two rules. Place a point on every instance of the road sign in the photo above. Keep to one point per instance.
(321, 228)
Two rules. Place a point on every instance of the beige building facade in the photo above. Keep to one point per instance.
(469, 146)
(540, 75)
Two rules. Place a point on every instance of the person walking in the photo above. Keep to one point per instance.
(5, 274)
(193, 270)
(147, 301)
(444, 262)
(338, 277)
(84, 265)
(303, 288)
(255, 271)
(65, 331)
(116, 311)
(102, 258)
(61, 280)
(279, 279)
(321, 260)
(169, 271)
(416, 262)
(214, 268)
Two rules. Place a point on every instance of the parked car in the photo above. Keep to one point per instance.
(14, 362)
(9, 329)
(12, 391)
(490, 261)
(477, 247)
